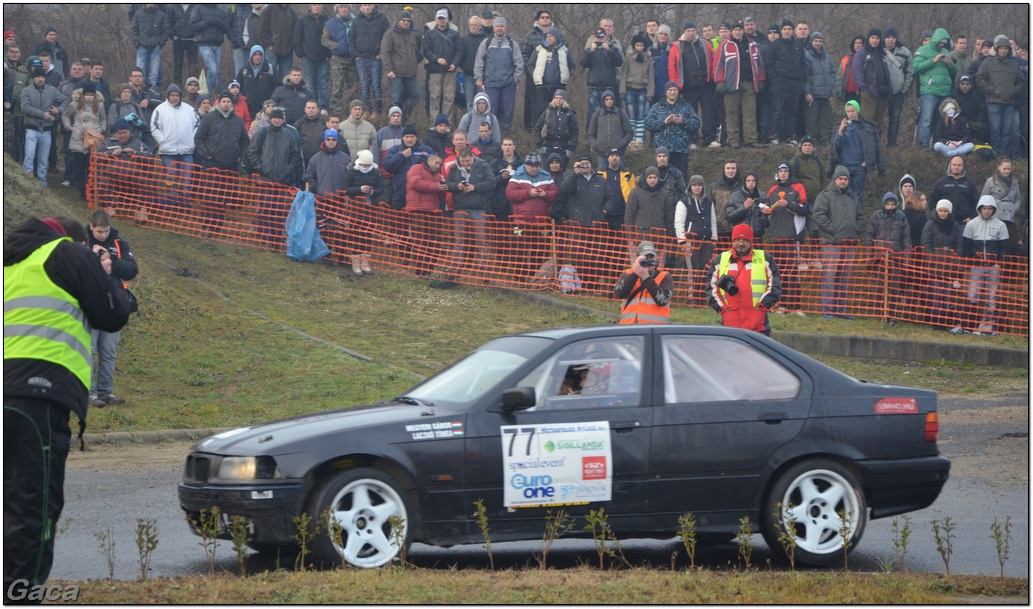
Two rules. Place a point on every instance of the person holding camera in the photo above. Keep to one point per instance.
(645, 289)
(743, 283)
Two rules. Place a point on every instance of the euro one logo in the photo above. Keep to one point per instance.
(20, 590)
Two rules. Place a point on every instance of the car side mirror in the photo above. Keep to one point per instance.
(518, 398)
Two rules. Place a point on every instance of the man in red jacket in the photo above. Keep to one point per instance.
(743, 284)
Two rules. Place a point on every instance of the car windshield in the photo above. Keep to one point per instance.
(465, 381)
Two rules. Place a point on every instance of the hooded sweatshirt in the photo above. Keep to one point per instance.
(934, 78)
(471, 121)
(257, 82)
(889, 227)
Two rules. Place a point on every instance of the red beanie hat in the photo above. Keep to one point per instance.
(742, 231)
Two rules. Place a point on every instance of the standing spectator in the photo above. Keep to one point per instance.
(602, 60)
(388, 136)
(690, 66)
(211, 26)
(916, 209)
(76, 76)
(838, 215)
(787, 225)
(400, 158)
(150, 30)
(102, 237)
(1001, 80)
(694, 225)
(491, 149)
(672, 122)
(444, 53)
(856, 146)
(754, 276)
(952, 135)
(173, 125)
(645, 290)
(311, 127)
(1004, 188)
(503, 167)
(941, 242)
(787, 75)
(821, 81)
(480, 113)
(808, 169)
(256, 80)
(585, 199)
(637, 87)
(293, 94)
(607, 26)
(42, 105)
(424, 197)
(243, 31)
(183, 44)
(649, 208)
(325, 171)
(364, 40)
(941, 232)
(874, 79)
(749, 205)
(548, 70)
(720, 192)
(472, 184)
(274, 156)
(193, 95)
(344, 78)
(972, 105)
(532, 42)
(400, 51)
(439, 137)
(471, 43)
(315, 58)
(499, 68)
(766, 127)
(276, 35)
(935, 71)
(671, 178)
(532, 193)
(901, 56)
(740, 74)
(58, 54)
(986, 241)
(55, 292)
(610, 129)
(661, 53)
(85, 112)
(16, 78)
(358, 133)
(959, 189)
(962, 57)
(362, 183)
(220, 144)
(621, 182)
(846, 88)
(239, 104)
(146, 100)
(889, 228)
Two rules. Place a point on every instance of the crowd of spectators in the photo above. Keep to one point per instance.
(732, 87)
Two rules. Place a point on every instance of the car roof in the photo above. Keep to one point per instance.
(586, 331)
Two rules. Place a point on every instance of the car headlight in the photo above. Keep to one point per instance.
(248, 468)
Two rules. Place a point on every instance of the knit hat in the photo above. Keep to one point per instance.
(782, 166)
(331, 134)
(225, 94)
(697, 179)
(646, 247)
(840, 172)
(394, 110)
(500, 20)
(725, 26)
(670, 84)
(773, 28)
(965, 78)
(748, 20)
(533, 160)
(814, 36)
(87, 87)
(441, 120)
(584, 157)
(233, 83)
(119, 125)
(890, 31)
(806, 140)
(173, 88)
(786, 22)
(875, 32)
(853, 103)
(561, 93)
(365, 157)
(664, 29)
(1001, 41)
(355, 102)
(663, 150)
(404, 15)
(123, 87)
(9, 34)
(926, 34)
(986, 201)
(650, 171)
(742, 231)
(945, 204)
(689, 25)
(409, 129)
(907, 179)
(38, 72)
(276, 112)
(193, 79)
(50, 29)
(203, 98)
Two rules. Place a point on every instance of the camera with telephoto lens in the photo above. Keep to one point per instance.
(727, 283)
(649, 262)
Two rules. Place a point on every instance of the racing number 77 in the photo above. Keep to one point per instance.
(515, 433)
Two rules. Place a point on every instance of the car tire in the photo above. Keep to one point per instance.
(362, 500)
(818, 491)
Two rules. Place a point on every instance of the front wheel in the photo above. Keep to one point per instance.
(821, 503)
(361, 502)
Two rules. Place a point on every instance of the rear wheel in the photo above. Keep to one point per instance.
(361, 502)
(813, 495)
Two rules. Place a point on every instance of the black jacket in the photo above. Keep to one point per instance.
(293, 99)
(308, 35)
(586, 201)
(961, 192)
(470, 44)
(179, 19)
(75, 269)
(366, 33)
(602, 67)
(123, 263)
(442, 44)
(257, 85)
(150, 28)
(222, 139)
(788, 62)
(211, 25)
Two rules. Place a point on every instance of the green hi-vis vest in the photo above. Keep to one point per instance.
(758, 273)
(43, 321)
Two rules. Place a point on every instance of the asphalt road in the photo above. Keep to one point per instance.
(989, 480)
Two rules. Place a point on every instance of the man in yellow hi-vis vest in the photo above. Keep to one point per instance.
(743, 283)
(55, 290)
(646, 290)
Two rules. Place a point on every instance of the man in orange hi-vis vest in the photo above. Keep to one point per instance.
(645, 289)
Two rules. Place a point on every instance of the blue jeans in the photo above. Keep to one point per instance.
(927, 107)
(470, 88)
(595, 101)
(211, 56)
(179, 176)
(961, 150)
(983, 283)
(37, 145)
(635, 104)
(369, 75)
(502, 100)
(317, 74)
(105, 347)
(1000, 117)
(281, 65)
(896, 105)
(858, 176)
(239, 60)
(150, 63)
(835, 277)
(405, 92)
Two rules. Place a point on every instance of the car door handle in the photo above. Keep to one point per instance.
(624, 426)
(772, 418)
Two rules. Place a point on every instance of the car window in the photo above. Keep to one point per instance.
(720, 369)
(468, 379)
(590, 374)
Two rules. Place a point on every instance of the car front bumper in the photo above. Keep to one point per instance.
(270, 508)
(896, 486)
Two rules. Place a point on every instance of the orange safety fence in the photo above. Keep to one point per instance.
(939, 289)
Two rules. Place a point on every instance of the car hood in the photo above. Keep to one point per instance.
(301, 432)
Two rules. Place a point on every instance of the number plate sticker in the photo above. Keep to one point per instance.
(556, 464)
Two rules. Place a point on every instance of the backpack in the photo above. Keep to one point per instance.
(570, 282)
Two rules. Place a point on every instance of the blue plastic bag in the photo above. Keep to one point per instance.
(303, 241)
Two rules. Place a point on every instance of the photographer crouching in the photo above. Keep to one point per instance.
(646, 290)
(743, 283)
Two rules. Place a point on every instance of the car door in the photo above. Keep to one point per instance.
(723, 406)
(583, 446)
